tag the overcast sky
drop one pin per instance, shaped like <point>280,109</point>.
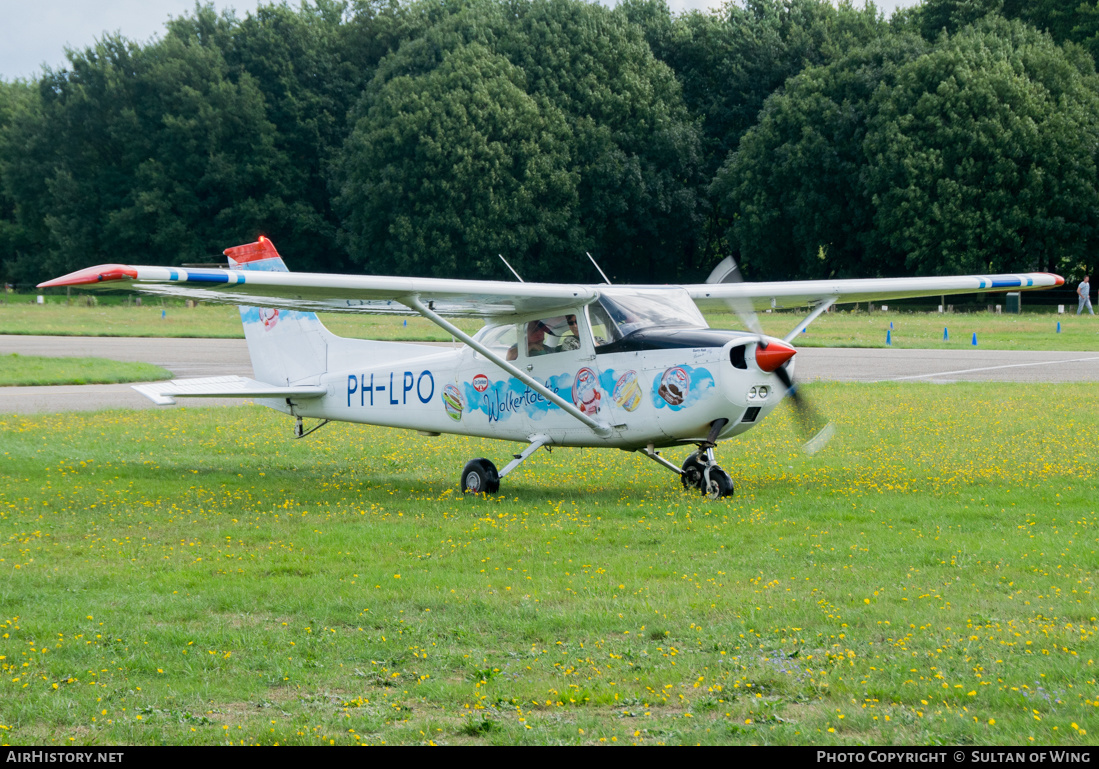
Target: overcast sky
<point>37,33</point>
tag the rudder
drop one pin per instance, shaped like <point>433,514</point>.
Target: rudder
<point>286,346</point>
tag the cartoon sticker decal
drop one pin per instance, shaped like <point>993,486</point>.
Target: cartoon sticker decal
<point>627,391</point>
<point>585,392</point>
<point>681,386</point>
<point>269,316</point>
<point>675,386</point>
<point>453,403</point>
<point>624,388</point>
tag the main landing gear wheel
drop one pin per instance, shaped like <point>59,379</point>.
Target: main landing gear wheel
<point>480,476</point>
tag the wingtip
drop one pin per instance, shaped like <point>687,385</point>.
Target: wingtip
<point>99,274</point>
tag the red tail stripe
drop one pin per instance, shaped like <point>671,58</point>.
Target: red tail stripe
<point>253,252</point>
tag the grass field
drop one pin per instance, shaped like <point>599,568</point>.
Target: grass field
<point>196,576</point>
<point>58,319</point>
<point>1029,331</point>
<point>18,369</point>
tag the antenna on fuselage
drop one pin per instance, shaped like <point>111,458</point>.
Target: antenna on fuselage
<point>605,278</point>
<point>513,272</point>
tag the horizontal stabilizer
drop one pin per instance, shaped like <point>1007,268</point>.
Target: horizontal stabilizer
<point>165,393</point>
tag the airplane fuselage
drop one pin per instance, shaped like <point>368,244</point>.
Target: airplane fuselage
<point>661,389</point>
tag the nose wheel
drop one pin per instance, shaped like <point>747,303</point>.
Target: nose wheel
<point>701,472</point>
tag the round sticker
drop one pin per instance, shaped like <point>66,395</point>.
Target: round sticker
<point>674,386</point>
<point>269,316</point>
<point>585,391</point>
<point>627,391</point>
<point>452,402</point>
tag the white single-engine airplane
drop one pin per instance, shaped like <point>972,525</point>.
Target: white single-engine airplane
<point>627,367</point>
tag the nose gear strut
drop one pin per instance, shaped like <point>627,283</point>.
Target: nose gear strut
<point>700,470</point>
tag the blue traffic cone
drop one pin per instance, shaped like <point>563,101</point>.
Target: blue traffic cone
<point>974,338</point>
<point>889,336</point>
<point>946,334</point>
<point>890,324</point>
<point>163,314</point>
<point>406,321</point>
<point>1058,327</point>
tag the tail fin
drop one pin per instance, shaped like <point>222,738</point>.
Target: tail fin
<point>286,346</point>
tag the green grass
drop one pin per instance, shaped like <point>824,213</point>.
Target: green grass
<point>196,576</point>
<point>215,321</point>
<point>24,370</point>
<point>1029,331</point>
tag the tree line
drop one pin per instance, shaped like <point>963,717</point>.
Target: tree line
<point>807,139</point>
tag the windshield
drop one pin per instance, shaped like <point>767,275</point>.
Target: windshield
<point>621,311</point>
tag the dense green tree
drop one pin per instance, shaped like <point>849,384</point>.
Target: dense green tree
<point>981,155</point>
<point>934,17</point>
<point>137,151</point>
<point>310,65</point>
<point>17,240</point>
<point>1065,20</point>
<point>975,154</point>
<point>730,62</point>
<point>629,142</point>
<point>455,166</point>
<point>794,193</point>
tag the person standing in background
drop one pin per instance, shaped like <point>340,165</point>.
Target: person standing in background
<point>1084,292</point>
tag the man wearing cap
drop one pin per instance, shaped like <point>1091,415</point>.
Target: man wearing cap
<point>536,338</point>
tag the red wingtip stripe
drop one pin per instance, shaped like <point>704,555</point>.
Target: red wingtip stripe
<point>253,252</point>
<point>100,274</point>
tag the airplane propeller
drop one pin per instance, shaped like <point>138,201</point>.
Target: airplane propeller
<point>814,429</point>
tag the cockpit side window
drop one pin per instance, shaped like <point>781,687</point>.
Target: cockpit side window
<point>499,339</point>
<point>546,336</point>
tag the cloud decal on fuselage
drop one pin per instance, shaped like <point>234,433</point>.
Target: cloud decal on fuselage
<point>503,398</point>
<point>680,387</point>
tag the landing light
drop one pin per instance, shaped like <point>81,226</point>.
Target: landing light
<point>759,392</point>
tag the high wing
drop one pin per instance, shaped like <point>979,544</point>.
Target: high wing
<point>801,293</point>
<point>323,292</point>
<point>326,292</point>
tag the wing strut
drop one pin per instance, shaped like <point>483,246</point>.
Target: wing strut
<point>812,316</point>
<point>602,429</point>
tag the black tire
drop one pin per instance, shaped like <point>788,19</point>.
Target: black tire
<point>480,476</point>
<point>692,474</point>
<point>720,485</point>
